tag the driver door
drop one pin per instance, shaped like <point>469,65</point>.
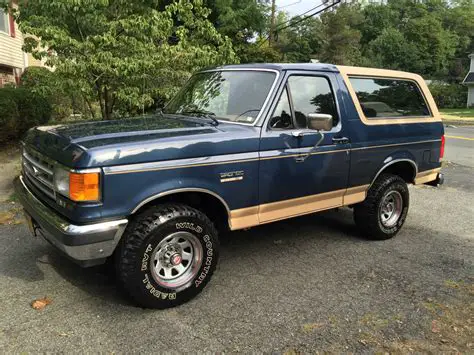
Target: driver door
<point>296,177</point>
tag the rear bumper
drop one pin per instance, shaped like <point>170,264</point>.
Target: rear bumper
<point>438,181</point>
<point>87,244</point>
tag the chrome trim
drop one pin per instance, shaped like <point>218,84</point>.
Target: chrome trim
<point>237,178</point>
<point>57,227</point>
<point>394,162</point>
<point>36,163</point>
<point>188,189</point>
<point>297,152</point>
<point>267,99</point>
<point>396,144</point>
<point>95,228</point>
<point>41,176</point>
<point>39,187</point>
<point>182,163</point>
<point>241,158</point>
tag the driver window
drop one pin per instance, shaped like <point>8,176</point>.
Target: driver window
<point>281,118</point>
<point>311,94</point>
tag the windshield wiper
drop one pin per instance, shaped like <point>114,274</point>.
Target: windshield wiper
<point>205,114</point>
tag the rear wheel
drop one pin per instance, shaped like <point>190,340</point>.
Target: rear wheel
<point>382,214</point>
<point>167,256</point>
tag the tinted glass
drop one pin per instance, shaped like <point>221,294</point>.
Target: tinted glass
<point>281,118</point>
<point>311,94</point>
<point>236,96</point>
<point>389,98</point>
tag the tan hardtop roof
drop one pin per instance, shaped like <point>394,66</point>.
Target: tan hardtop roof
<point>387,73</point>
<point>347,72</point>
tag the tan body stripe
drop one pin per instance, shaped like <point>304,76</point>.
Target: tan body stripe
<point>274,211</point>
<point>426,176</point>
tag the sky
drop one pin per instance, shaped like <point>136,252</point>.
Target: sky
<point>296,7</point>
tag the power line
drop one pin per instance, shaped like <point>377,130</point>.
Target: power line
<point>302,14</point>
<point>293,3</point>
<point>293,23</point>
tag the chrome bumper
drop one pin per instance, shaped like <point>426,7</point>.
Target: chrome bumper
<point>87,244</point>
<point>438,181</point>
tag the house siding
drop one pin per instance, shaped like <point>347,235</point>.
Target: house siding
<point>11,53</point>
<point>470,96</point>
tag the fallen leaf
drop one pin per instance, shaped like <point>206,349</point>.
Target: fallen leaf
<point>40,303</point>
<point>435,326</point>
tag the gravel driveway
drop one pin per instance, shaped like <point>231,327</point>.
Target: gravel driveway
<point>301,285</point>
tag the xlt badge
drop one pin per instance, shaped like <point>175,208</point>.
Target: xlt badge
<point>232,176</point>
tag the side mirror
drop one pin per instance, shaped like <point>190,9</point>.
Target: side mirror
<point>319,121</point>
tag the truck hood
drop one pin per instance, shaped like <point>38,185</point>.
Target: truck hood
<point>139,140</point>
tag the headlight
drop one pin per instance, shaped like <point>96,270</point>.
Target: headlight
<point>61,181</point>
<point>77,186</point>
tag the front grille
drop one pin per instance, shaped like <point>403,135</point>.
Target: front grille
<point>39,171</point>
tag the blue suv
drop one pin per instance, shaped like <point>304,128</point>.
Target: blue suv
<point>239,146</point>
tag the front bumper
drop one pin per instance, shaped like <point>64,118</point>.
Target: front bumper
<point>87,244</point>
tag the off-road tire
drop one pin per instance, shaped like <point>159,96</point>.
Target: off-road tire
<point>367,213</point>
<point>134,258</point>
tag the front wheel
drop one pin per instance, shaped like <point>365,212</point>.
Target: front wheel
<point>167,256</point>
<point>382,214</point>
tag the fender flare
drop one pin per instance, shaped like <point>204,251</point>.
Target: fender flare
<point>394,161</point>
<point>176,191</point>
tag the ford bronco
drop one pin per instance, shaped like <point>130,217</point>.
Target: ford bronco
<point>237,147</point>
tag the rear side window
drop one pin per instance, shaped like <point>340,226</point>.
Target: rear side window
<point>389,98</point>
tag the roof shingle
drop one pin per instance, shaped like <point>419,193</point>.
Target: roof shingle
<point>469,79</point>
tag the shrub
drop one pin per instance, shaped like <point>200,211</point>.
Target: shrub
<point>21,109</point>
<point>449,95</point>
<point>49,85</point>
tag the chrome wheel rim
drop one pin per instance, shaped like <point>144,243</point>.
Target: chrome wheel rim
<point>176,260</point>
<point>391,208</point>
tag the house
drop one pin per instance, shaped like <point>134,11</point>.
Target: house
<point>13,60</point>
<point>469,82</point>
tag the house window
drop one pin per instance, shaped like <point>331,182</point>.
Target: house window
<point>4,23</point>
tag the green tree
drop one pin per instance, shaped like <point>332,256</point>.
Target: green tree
<point>123,53</point>
<point>301,40</point>
<point>242,21</point>
<point>411,36</point>
<point>342,35</point>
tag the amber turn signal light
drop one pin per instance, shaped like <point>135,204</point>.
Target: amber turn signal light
<point>84,187</point>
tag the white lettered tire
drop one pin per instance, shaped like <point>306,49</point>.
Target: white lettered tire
<point>167,255</point>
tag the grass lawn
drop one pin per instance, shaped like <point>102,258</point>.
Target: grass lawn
<point>458,114</point>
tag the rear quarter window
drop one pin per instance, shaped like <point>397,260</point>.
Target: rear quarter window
<point>389,98</point>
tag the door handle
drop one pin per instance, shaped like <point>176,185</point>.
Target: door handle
<point>340,140</point>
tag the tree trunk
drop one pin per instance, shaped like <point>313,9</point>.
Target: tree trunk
<point>101,101</point>
<point>89,105</point>
<point>106,102</point>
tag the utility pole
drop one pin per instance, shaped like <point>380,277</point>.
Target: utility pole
<point>272,23</point>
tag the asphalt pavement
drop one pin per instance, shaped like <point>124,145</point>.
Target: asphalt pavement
<point>302,285</point>
<point>460,144</point>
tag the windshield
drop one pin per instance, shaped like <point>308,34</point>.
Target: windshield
<point>235,96</point>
